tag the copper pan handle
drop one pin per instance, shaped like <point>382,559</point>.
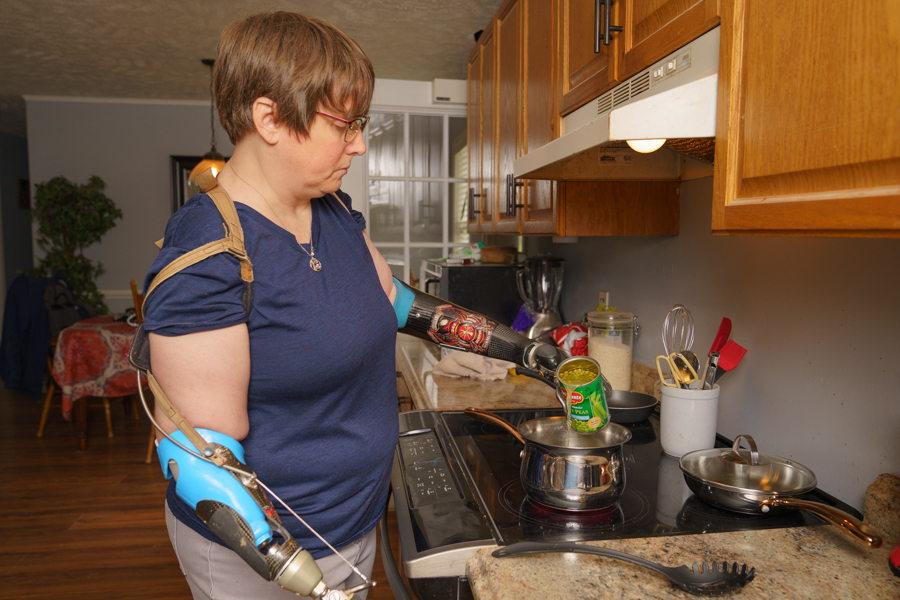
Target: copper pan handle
<point>488,417</point>
<point>848,523</point>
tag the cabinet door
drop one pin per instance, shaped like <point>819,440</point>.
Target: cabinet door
<point>655,28</point>
<point>507,41</point>
<point>808,124</point>
<point>585,74</point>
<point>540,123</point>
<point>488,134</point>
<point>474,140</point>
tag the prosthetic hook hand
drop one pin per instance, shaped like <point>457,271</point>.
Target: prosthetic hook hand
<point>228,497</point>
<point>439,321</point>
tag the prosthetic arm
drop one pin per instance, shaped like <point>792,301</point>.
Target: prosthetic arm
<point>227,497</point>
<point>444,323</point>
<point>211,477</point>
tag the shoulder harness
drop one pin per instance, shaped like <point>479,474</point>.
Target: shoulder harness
<point>232,243</point>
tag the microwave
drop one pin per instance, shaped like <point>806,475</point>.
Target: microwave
<point>486,288</point>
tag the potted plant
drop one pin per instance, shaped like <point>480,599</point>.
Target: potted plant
<point>70,218</point>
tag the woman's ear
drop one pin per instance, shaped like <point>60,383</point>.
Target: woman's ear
<point>265,119</point>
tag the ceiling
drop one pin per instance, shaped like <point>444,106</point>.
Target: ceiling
<point>153,49</point>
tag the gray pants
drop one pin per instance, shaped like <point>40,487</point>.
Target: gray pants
<point>216,573</point>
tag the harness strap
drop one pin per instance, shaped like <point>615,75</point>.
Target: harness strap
<point>232,243</point>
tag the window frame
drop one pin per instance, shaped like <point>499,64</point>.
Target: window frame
<point>445,245</point>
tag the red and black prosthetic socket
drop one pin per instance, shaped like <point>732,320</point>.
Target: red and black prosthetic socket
<point>447,324</point>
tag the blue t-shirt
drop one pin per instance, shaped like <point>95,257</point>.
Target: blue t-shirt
<point>322,397</point>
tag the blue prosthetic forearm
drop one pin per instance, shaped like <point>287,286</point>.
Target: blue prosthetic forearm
<point>403,302</point>
<point>198,480</point>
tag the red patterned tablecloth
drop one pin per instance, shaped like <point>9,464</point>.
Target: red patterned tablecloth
<point>91,359</point>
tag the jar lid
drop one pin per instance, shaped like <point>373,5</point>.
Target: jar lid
<point>602,318</point>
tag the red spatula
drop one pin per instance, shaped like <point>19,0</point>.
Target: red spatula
<point>729,357</point>
<point>721,336</point>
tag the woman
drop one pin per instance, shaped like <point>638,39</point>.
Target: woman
<point>307,380</point>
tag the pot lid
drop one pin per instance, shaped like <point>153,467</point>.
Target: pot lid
<point>609,317</point>
<point>740,470</point>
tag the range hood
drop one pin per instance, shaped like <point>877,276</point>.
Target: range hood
<point>673,99</point>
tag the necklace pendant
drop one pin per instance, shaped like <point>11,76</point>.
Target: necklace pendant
<point>315,264</point>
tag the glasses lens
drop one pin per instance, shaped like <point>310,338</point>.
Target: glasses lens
<point>355,126</point>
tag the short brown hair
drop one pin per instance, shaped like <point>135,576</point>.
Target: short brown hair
<point>299,62</point>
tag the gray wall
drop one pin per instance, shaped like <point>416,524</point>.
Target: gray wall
<point>128,145</point>
<point>16,238</point>
<point>819,318</point>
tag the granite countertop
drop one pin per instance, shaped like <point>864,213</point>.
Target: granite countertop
<point>416,359</point>
<point>802,562</point>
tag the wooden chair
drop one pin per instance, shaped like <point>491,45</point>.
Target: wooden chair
<point>52,388</point>
<point>139,317</point>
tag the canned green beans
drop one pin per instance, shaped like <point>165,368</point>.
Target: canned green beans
<point>579,376</point>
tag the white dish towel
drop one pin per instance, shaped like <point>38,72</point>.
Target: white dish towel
<point>465,364</point>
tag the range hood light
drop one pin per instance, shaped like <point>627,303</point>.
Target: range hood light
<point>645,146</point>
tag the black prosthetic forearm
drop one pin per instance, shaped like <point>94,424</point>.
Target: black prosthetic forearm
<point>447,324</point>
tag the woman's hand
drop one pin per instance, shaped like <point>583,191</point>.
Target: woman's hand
<point>206,375</point>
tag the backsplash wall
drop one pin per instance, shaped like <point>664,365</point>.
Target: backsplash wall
<point>819,317</point>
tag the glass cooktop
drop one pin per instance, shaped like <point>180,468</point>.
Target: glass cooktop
<point>656,500</point>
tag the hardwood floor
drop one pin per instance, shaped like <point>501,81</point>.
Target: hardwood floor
<point>89,525</point>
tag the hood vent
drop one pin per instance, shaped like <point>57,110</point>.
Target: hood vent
<point>678,104</point>
<point>623,93</point>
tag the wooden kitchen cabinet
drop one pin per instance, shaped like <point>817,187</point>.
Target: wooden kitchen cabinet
<point>474,145</point>
<point>514,108</point>
<point>651,29</point>
<point>808,119</point>
<point>513,98</point>
<point>508,82</point>
<point>612,208</point>
<point>540,114</point>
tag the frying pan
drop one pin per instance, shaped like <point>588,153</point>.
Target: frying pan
<point>630,407</point>
<point>755,483</point>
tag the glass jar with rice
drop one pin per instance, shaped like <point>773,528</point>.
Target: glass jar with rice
<point>611,343</point>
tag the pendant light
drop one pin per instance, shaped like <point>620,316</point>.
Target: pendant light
<point>212,159</point>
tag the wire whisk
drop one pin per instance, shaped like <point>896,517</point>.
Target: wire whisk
<point>678,330</point>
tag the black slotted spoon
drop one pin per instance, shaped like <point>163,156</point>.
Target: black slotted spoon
<point>705,580</point>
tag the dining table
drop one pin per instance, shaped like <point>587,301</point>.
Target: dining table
<point>91,361</point>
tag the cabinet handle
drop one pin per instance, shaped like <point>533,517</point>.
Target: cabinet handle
<point>472,211</point>
<point>607,28</point>
<point>511,185</point>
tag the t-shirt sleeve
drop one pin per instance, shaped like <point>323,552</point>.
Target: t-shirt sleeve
<point>357,216</point>
<point>204,296</point>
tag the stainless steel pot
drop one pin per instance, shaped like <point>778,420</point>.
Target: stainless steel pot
<point>574,471</point>
<point>750,482</point>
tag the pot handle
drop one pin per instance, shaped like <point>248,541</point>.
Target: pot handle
<point>488,417</point>
<point>848,523</point>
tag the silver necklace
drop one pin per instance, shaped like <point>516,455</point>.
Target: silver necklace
<point>314,263</point>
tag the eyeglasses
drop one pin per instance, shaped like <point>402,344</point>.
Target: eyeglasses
<point>353,127</point>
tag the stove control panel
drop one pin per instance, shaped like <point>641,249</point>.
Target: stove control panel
<point>428,477</point>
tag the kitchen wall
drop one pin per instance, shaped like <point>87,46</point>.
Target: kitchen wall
<point>128,143</point>
<point>819,317</point>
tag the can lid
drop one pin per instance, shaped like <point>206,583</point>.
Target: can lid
<point>607,318</point>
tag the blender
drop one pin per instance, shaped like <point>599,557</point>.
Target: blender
<point>540,285</point>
